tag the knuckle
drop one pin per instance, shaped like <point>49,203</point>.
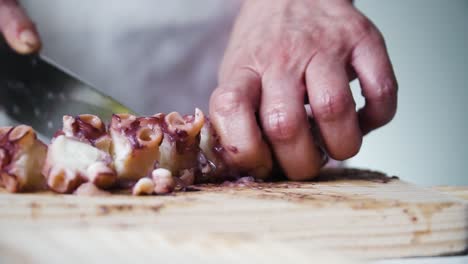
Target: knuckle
<point>384,90</point>
<point>329,107</point>
<point>280,124</point>
<point>360,26</point>
<point>372,35</point>
<point>226,102</point>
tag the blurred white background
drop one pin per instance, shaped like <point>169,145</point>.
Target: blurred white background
<point>128,47</point>
<point>427,142</point>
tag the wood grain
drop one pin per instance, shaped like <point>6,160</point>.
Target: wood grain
<point>347,212</point>
<point>455,191</point>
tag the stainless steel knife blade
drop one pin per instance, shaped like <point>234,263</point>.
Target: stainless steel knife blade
<point>36,92</point>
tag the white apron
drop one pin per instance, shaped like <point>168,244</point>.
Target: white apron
<point>152,55</point>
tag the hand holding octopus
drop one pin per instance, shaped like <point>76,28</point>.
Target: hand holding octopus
<point>285,53</point>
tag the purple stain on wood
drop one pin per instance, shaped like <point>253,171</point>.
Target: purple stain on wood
<point>155,208</point>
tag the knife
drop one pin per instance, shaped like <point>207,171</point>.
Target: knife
<point>37,92</point>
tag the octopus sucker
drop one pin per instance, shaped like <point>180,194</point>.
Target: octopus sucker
<point>146,155</point>
<point>79,154</point>
<point>22,155</point>
<point>135,145</point>
<point>180,145</point>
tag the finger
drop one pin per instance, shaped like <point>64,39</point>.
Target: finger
<point>17,29</point>
<point>350,72</point>
<point>284,121</point>
<point>351,77</point>
<point>333,106</point>
<point>379,86</point>
<point>232,110</point>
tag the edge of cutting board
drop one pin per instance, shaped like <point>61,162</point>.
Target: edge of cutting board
<point>353,212</point>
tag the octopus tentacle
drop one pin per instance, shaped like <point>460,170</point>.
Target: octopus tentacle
<point>180,145</point>
<point>149,155</point>
<point>135,145</point>
<point>79,153</point>
<point>21,157</point>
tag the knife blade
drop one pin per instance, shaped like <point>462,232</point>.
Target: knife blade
<point>37,92</point>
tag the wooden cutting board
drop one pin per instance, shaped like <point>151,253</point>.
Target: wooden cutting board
<point>346,212</point>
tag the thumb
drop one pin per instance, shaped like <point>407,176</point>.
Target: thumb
<point>18,30</point>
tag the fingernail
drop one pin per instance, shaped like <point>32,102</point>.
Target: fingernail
<point>29,38</point>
